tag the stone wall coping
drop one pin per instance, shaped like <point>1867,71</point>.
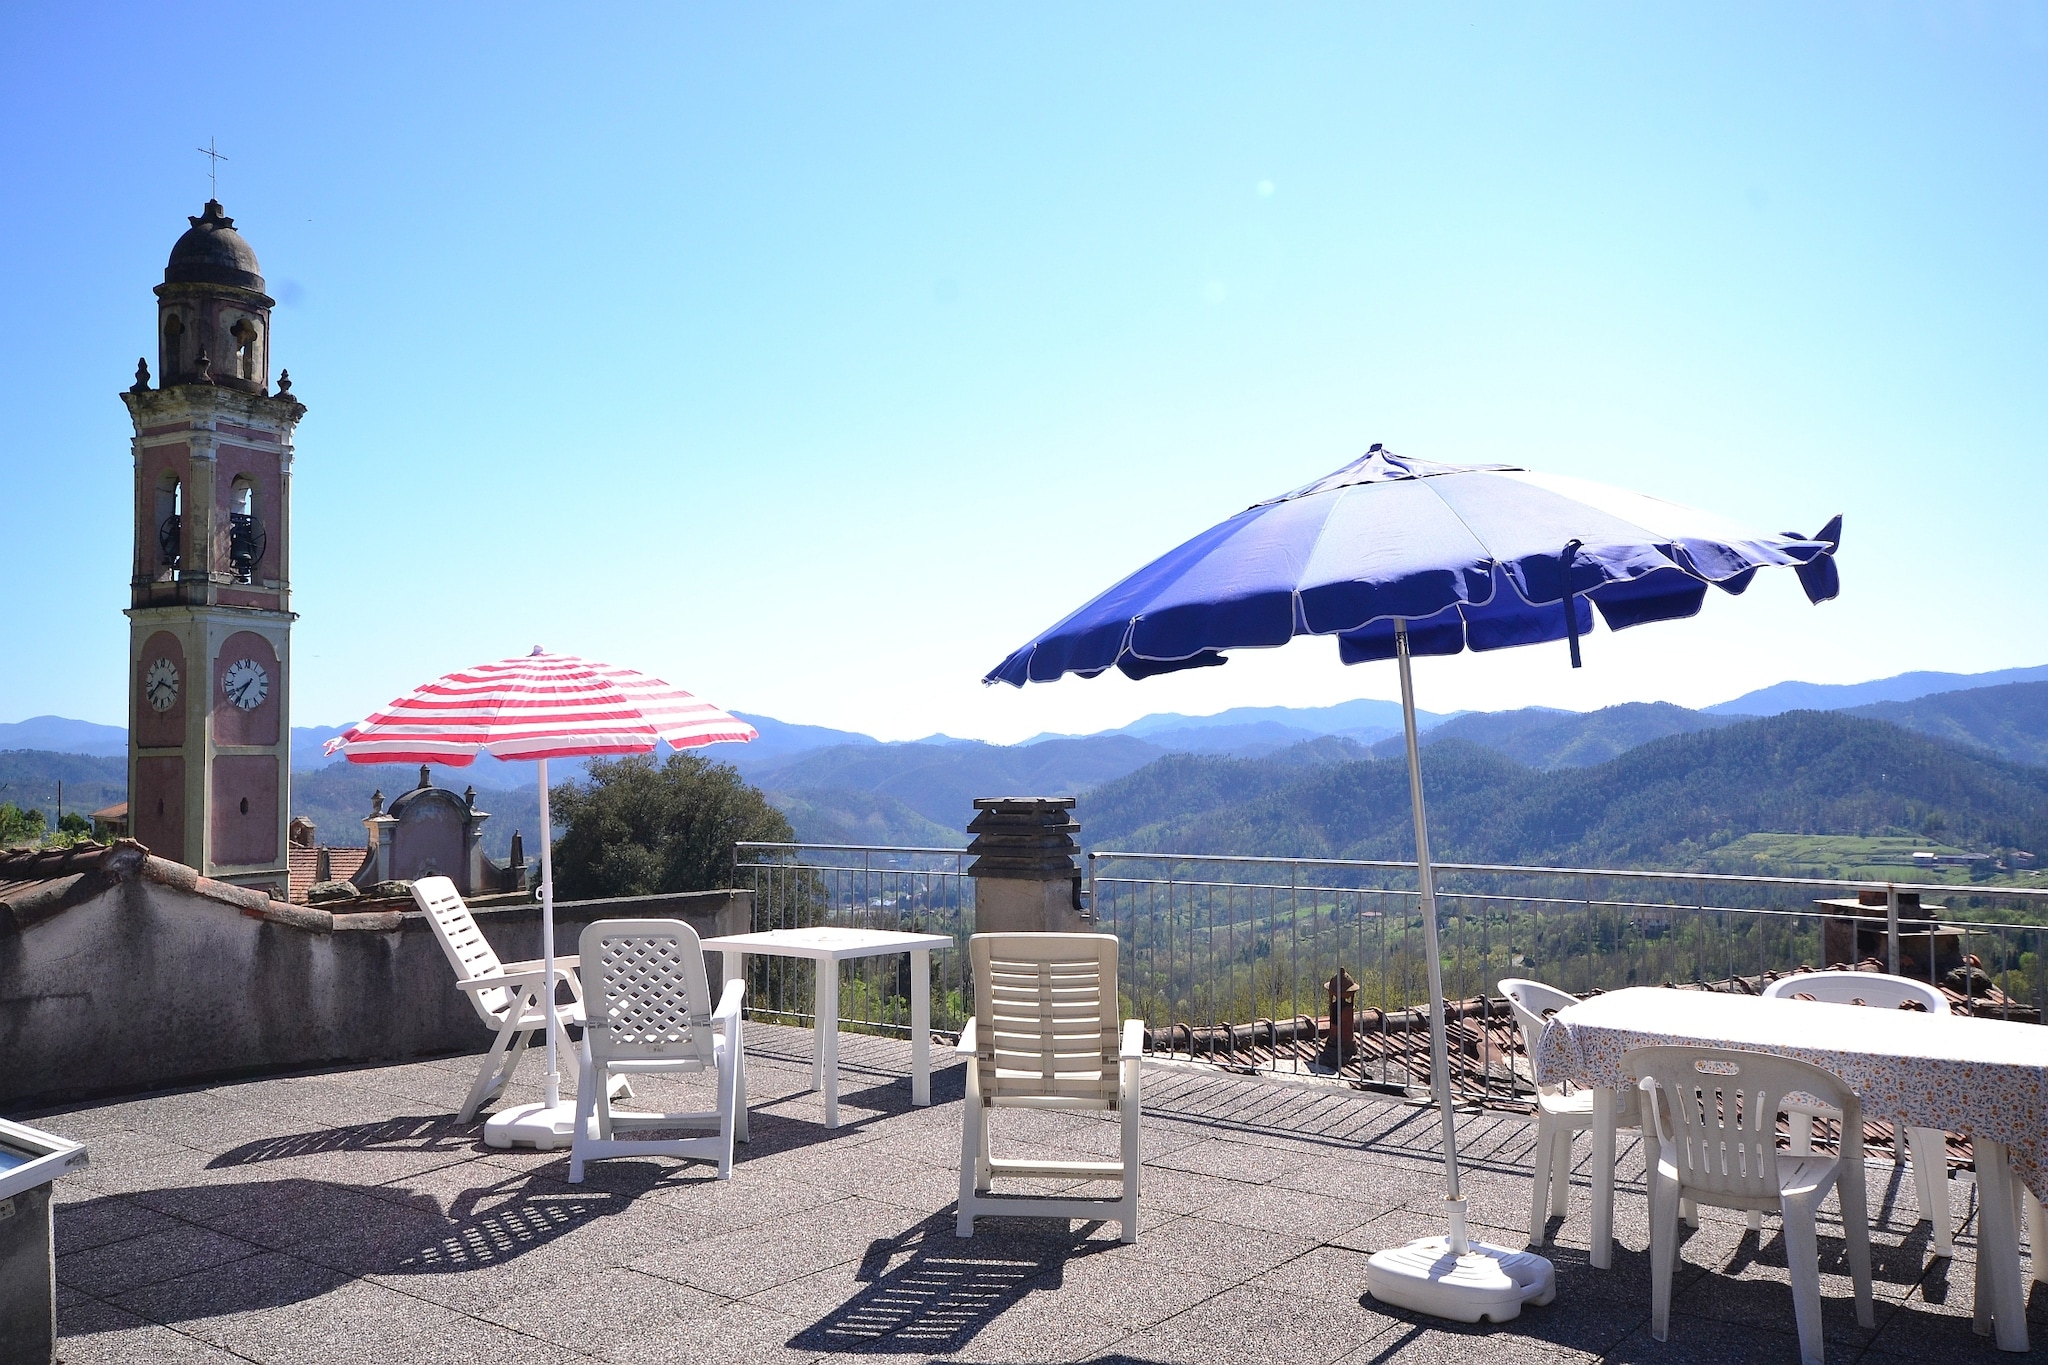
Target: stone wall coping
<point>37,886</point>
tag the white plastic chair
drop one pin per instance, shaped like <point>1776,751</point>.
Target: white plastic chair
<point>1929,1146</point>
<point>507,995</point>
<point>1044,1036</point>
<point>1722,1149</point>
<point>1560,1114</point>
<point>649,1012</point>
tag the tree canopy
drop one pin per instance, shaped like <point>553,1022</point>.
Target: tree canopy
<point>635,829</point>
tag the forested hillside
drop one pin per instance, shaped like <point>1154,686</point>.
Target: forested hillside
<point>2011,721</point>
<point>1667,803</point>
<point>1544,738</point>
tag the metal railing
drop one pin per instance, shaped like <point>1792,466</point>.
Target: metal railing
<point>1228,958</point>
<point>921,890</point>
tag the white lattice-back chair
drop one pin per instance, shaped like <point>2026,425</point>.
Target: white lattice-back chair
<point>648,1010</point>
<point>1560,1113</point>
<point>1929,1146</point>
<point>1715,1115</point>
<point>507,995</point>
<point>1044,1036</point>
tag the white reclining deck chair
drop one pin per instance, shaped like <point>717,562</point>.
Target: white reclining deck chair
<point>507,995</point>
<point>1722,1149</point>
<point>1560,1114</point>
<point>1044,1036</point>
<point>1880,990</point>
<point>649,1011</point>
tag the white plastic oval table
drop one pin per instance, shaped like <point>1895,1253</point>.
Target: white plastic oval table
<point>828,947</point>
<point>1987,1078</point>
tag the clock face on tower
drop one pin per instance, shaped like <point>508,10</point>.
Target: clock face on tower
<point>160,685</point>
<point>246,684</point>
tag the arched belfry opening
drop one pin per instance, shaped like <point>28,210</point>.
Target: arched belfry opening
<point>170,524</point>
<point>171,362</point>
<point>246,540</point>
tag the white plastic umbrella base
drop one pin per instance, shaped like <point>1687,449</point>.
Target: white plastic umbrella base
<point>542,1126</point>
<point>1486,1284</point>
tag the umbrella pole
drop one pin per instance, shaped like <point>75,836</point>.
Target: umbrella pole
<point>1439,1051</point>
<point>552,1094</point>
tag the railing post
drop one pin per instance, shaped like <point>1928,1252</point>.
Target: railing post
<point>1891,929</point>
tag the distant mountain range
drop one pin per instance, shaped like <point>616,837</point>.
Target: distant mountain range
<point>840,786</point>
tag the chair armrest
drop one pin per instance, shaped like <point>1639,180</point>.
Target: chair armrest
<point>1134,1041</point>
<point>730,1003</point>
<point>515,980</point>
<point>563,962</point>
<point>965,1047</point>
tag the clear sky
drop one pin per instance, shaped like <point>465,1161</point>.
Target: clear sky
<point>814,357</point>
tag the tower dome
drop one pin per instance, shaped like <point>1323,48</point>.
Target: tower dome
<point>212,252</point>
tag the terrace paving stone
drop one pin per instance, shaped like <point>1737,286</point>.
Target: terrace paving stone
<point>345,1216</point>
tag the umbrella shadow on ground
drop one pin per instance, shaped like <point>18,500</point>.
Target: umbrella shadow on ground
<point>328,1229</point>
<point>411,1133</point>
<point>927,1291</point>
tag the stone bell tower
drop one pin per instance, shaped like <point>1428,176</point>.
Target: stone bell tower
<point>209,640</point>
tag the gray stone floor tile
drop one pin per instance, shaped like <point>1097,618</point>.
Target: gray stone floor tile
<point>245,1290</point>
<point>100,1219</point>
<point>1271,1208</point>
<point>165,1254</point>
<point>94,1333</point>
<point>731,1331</point>
<point>604,1309</point>
<point>1253,1325</point>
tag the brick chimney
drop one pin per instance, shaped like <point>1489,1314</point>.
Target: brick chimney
<point>1025,876</point>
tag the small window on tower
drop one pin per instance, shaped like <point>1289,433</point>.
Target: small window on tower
<point>244,333</point>
<point>174,347</point>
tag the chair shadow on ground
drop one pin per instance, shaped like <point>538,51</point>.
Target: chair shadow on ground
<point>930,1292</point>
<point>410,1133</point>
<point>358,1230</point>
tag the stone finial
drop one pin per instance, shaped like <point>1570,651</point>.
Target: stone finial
<point>469,796</point>
<point>284,383</point>
<point>426,778</point>
<point>205,375</point>
<point>376,803</point>
<point>141,384</point>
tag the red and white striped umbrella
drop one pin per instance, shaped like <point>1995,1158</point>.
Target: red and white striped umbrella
<point>536,706</point>
<point>539,706</point>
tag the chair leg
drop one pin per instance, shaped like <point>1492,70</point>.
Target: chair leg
<point>1561,1171</point>
<point>1541,1164</point>
<point>1930,1184</point>
<point>728,1093</point>
<point>1132,1105</point>
<point>587,1092</point>
<point>1690,1212</point>
<point>1802,1259</point>
<point>1756,1222</point>
<point>1854,1199</point>
<point>972,1136</point>
<point>498,1065</point>
<point>1664,1202</point>
<point>2035,1240</point>
<point>739,1061</point>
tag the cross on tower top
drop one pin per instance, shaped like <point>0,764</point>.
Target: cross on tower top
<point>213,167</point>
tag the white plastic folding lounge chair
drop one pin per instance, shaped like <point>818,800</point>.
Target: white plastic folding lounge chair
<point>1044,1036</point>
<point>649,1011</point>
<point>507,995</point>
<point>1560,1114</point>
<point>1929,1146</point>
<point>1721,1148</point>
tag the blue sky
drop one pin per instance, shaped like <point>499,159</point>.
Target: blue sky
<point>815,357</point>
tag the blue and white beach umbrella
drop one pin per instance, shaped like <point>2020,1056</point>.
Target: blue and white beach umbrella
<point>1397,557</point>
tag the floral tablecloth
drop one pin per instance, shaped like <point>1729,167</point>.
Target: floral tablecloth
<point>1978,1077</point>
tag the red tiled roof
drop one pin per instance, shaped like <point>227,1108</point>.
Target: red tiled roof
<point>342,864</point>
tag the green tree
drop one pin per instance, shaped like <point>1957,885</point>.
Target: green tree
<point>18,826</point>
<point>635,829</point>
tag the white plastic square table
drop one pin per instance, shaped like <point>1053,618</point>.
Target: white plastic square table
<point>828,947</point>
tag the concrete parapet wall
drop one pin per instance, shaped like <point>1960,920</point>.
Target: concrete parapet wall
<point>139,982</point>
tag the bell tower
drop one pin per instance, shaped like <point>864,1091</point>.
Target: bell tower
<point>209,638</point>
